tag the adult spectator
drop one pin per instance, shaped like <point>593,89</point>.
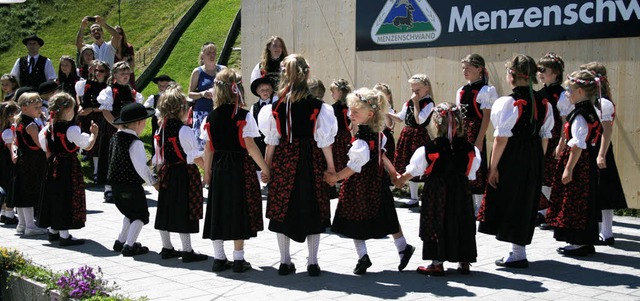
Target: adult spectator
<point>33,69</point>
<point>85,60</point>
<point>104,51</point>
<point>201,87</point>
<point>125,53</point>
<point>274,52</point>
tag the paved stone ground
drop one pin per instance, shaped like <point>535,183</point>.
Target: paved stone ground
<point>613,273</point>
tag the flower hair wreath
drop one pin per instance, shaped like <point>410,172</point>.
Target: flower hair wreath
<point>586,82</point>
<point>443,110</point>
<point>367,101</point>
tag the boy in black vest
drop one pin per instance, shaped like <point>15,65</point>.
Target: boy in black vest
<point>126,174</point>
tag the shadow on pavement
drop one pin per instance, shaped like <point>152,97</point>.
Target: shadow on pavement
<point>577,274</point>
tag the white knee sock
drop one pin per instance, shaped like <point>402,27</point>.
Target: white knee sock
<point>313,243</point>
<point>218,250</point>
<point>361,247</point>
<point>238,255</point>
<point>64,234</point>
<point>21,222</point>
<point>518,252</point>
<point>606,227</point>
<point>95,165</point>
<point>122,237</point>
<point>134,231</point>
<point>9,214</point>
<point>546,191</point>
<point>166,240</point>
<point>401,244</point>
<point>107,188</point>
<point>53,231</point>
<point>284,243</point>
<point>186,242</point>
<point>28,217</point>
<point>477,202</point>
<point>413,189</point>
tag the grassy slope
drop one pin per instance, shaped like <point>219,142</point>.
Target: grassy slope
<point>143,31</point>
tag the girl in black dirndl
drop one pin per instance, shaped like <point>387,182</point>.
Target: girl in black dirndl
<point>127,172</point>
<point>9,110</point>
<point>112,99</point>
<point>609,195</point>
<point>87,92</point>
<point>365,204</point>
<point>478,96</point>
<point>550,74</point>
<point>522,123</point>
<point>31,164</point>
<point>63,205</point>
<point>415,115</point>
<point>180,194</point>
<point>299,131</point>
<point>340,88</point>
<point>447,221</point>
<point>234,210</point>
<point>390,146</point>
<point>574,211</point>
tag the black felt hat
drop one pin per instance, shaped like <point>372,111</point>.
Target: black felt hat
<point>133,112</point>
<point>47,87</point>
<point>162,78</point>
<point>259,81</point>
<point>34,38</point>
<point>23,90</point>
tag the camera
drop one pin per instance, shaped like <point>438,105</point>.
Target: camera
<point>91,19</point>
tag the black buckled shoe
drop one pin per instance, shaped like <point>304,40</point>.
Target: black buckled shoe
<point>169,253</point>
<point>220,265</point>
<point>606,241</point>
<point>193,256</point>
<point>406,256</point>
<point>286,269</point>
<point>53,237</point>
<point>64,242</point>
<point>579,252</point>
<point>136,249</point>
<point>518,264</point>
<point>363,264</point>
<point>313,270</point>
<point>118,246</point>
<point>241,266</point>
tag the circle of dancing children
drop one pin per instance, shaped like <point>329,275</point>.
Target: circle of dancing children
<point>609,194</point>
<point>574,211</point>
<point>550,74</point>
<point>522,122</point>
<point>112,99</point>
<point>365,204</point>
<point>390,146</point>
<point>415,115</point>
<point>180,199</point>
<point>9,110</point>
<point>63,205</point>
<point>478,96</point>
<point>449,161</point>
<point>299,131</point>
<point>127,172</point>
<point>234,210</point>
<point>31,164</point>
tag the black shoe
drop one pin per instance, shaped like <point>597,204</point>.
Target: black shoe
<point>545,226</point>
<point>108,197</point>
<point>240,266</point>
<point>118,246</point>
<point>220,265</point>
<point>580,252</point>
<point>540,219</point>
<point>170,253</point>
<point>464,268</point>
<point>136,249</point>
<point>406,256</point>
<point>3,219</point>
<point>518,264</point>
<point>14,220</point>
<point>313,270</point>
<point>406,205</point>
<point>606,241</point>
<point>286,269</point>
<point>64,242</point>
<point>363,264</point>
<point>53,237</point>
<point>193,257</point>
